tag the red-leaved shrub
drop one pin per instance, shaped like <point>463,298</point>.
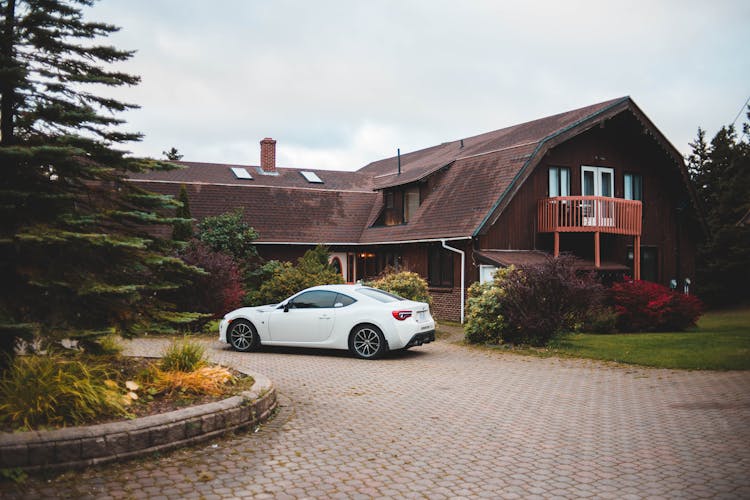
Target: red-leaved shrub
<point>216,293</point>
<point>643,306</point>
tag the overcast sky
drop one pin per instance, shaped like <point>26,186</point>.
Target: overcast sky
<point>341,83</point>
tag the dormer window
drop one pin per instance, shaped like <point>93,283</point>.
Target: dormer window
<point>411,202</point>
<point>399,206</point>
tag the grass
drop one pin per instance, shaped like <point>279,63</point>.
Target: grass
<point>721,341</point>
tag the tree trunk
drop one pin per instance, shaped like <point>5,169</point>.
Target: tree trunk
<point>7,84</point>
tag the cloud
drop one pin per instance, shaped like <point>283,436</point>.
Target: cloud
<point>342,83</point>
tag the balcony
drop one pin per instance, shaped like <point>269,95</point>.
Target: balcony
<point>592,214</point>
<point>589,214</point>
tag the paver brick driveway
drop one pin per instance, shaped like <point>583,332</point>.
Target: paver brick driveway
<point>445,421</point>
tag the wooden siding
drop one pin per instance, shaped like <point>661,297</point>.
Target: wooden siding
<point>622,145</point>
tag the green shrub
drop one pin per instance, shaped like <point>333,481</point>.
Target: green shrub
<point>405,284</point>
<point>229,234</point>
<point>484,320</point>
<point>254,279</point>
<point>312,269</point>
<point>600,320</point>
<point>51,390</point>
<point>184,356</point>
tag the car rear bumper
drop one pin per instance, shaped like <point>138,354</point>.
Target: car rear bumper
<point>421,338</point>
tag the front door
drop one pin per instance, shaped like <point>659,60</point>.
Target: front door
<point>598,181</point>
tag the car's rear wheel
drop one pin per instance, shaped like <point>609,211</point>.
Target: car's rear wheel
<point>367,342</point>
<point>243,336</point>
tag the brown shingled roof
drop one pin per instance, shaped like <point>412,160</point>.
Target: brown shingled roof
<point>520,258</point>
<point>281,214</point>
<point>221,173</point>
<point>480,175</point>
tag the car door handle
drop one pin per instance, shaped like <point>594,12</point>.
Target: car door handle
<point>325,316</point>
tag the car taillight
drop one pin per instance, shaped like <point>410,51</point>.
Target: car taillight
<point>401,315</point>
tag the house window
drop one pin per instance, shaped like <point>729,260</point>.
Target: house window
<point>633,187</point>
<point>559,181</point>
<point>440,267</point>
<point>597,181</point>
<point>411,202</point>
<point>389,199</point>
<point>487,273</point>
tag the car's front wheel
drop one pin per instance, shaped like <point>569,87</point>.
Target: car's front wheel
<point>367,342</point>
<point>243,336</point>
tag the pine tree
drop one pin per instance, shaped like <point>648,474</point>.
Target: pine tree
<point>173,154</point>
<point>75,257</point>
<point>721,175</point>
<point>183,228</point>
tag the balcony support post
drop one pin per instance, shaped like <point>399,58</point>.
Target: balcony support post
<point>557,244</point>
<point>637,257</point>
<point>597,251</point>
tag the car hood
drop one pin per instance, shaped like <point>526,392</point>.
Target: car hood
<point>246,311</point>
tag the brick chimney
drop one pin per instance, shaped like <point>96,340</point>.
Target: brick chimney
<point>268,155</point>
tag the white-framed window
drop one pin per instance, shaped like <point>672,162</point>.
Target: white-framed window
<point>597,181</point>
<point>486,273</point>
<point>559,181</point>
<point>633,184</point>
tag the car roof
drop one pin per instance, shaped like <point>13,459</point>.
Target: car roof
<point>337,288</point>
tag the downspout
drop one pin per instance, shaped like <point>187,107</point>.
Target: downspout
<point>463,274</point>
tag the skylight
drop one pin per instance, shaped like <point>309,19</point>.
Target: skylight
<point>311,177</point>
<point>241,173</point>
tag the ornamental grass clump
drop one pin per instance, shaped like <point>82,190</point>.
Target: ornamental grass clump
<point>209,380</point>
<point>183,356</point>
<point>53,391</point>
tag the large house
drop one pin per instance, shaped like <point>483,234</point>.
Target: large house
<point>600,182</point>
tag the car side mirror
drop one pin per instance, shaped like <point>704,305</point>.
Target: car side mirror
<point>286,307</point>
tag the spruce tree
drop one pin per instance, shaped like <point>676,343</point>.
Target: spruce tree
<point>183,228</point>
<point>76,258</point>
<point>721,174</point>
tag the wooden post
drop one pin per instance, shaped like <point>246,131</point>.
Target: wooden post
<point>637,258</point>
<point>557,243</point>
<point>597,253</point>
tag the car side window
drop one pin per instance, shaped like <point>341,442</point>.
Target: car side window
<point>343,300</point>
<point>315,299</point>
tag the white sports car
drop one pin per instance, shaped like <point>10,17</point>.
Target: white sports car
<point>364,320</point>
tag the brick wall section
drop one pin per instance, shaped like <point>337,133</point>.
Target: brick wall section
<point>76,447</point>
<point>446,303</point>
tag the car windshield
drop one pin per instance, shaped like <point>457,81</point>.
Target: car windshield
<point>379,295</point>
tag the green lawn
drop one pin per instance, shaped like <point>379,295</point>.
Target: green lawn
<point>721,341</point>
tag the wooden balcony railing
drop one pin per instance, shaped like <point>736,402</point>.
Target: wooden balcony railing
<point>589,214</point>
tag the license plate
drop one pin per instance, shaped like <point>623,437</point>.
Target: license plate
<point>421,315</point>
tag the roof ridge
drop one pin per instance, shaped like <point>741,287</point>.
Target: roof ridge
<point>254,185</point>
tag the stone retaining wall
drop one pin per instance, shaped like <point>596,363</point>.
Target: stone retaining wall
<point>75,447</point>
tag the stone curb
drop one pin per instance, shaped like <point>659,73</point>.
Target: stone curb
<point>77,447</point>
